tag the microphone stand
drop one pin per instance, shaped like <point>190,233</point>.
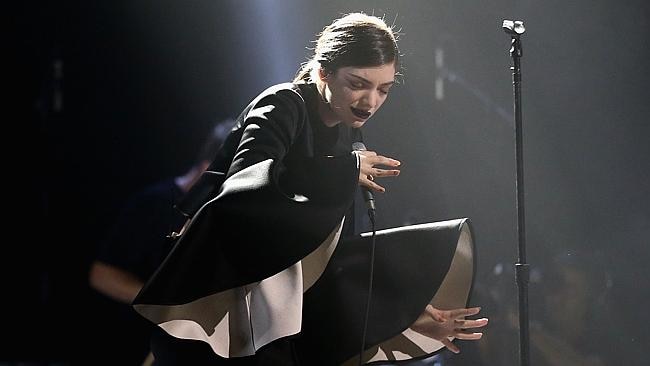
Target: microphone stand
<point>515,29</point>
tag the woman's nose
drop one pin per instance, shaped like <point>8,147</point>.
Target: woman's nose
<point>369,100</point>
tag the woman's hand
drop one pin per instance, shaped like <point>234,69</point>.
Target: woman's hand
<point>368,171</point>
<point>442,324</point>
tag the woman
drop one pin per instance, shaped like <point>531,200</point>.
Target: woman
<point>262,274</point>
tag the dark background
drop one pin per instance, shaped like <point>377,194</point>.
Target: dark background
<point>106,97</point>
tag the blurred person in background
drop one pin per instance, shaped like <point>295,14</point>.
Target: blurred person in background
<point>575,309</point>
<point>132,250</point>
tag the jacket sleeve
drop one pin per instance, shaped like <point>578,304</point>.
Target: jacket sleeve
<point>254,228</point>
<point>266,129</point>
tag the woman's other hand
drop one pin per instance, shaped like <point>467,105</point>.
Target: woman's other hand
<point>443,324</point>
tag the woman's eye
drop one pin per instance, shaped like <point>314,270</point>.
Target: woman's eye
<point>356,85</point>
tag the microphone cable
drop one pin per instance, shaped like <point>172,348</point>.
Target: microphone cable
<point>371,215</point>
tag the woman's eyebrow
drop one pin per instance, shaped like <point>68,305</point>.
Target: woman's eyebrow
<point>369,82</point>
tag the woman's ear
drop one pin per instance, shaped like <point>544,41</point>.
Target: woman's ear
<point>322,74</point>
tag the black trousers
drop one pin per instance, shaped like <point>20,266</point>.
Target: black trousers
<point>172,351</point>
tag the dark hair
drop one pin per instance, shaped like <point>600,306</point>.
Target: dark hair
<point>356,39</point>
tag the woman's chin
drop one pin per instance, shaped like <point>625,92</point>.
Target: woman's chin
<point>356,124</point>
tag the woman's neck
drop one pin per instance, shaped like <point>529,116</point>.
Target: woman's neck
<point>324,108</point>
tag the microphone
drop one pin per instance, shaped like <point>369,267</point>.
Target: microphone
<point>370,201</point>
<point>367,194</point>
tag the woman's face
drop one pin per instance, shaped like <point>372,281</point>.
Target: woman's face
<point>354,94</point>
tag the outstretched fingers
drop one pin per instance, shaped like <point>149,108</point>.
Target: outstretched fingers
<point>369,183</point>
<point>462,325</point>
<point>452,323</point>
<point>471,323</point>
<point>450,346</point>
<point>385,172</point>
<point>461,313</point>
<point>469,336</point>
<point>383,160</point>
<point>368,170</point>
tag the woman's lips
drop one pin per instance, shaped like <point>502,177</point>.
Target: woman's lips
<point>360,113</point>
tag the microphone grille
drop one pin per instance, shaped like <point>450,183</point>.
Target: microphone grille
<point>358,146</point>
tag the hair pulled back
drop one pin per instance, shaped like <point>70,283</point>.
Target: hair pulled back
<point>356,39</point>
